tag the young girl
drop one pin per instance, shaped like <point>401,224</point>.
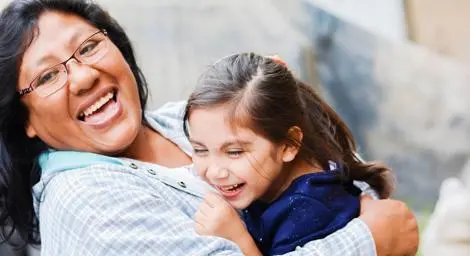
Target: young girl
<point>274,149</point>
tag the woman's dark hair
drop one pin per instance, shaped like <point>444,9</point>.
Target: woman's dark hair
<point>18,153</point>
<point>264,95</point>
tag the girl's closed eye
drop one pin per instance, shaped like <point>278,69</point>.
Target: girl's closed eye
<point>200,151</point>
<point>235,153</point>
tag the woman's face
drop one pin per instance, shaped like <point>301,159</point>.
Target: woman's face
<point>98,109</point>
<point>239,163</point>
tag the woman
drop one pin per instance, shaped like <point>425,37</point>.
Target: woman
<point>108,179</point>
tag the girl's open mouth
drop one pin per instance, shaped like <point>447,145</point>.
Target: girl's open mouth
<point>231,190</point>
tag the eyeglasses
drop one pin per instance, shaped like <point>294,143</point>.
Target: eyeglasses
<point>49,81</point>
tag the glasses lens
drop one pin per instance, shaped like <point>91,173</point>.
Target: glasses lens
<point>50,80</point>
<point>93,49</point>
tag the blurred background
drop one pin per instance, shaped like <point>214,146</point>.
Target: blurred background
<point>395,70</point>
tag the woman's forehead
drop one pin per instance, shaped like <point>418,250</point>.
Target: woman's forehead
<point>57,34</point>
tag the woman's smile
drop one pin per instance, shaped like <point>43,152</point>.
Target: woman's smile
<point>102,112</point>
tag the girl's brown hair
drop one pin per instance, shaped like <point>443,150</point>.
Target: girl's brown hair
<point>266,97</point>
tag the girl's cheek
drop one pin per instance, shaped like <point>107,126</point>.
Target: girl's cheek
<point>202,172</point>
<point>200,169</point>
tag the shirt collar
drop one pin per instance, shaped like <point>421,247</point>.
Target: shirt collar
<point>161,120</point>
<point>58,161</point>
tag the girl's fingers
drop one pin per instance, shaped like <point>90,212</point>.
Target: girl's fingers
<point>214,199</point>
<point>199,216</point>
<point>199,229</point>
<point>205,208</point>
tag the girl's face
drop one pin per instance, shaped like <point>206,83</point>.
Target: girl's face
<point>97,109</point>
<point>239,163</point>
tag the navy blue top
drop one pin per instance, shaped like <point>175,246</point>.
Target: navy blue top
<point>312,207</point>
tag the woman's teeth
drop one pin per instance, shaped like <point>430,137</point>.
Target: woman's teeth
<point>97,105</point>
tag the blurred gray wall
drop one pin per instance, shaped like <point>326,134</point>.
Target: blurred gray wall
<point>176,39</point>
<point>406,105</point>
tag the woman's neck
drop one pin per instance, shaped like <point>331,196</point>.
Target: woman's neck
<point>151,146</point>
<point>289,173</point>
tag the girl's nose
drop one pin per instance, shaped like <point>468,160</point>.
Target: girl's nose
<point>215,172</point>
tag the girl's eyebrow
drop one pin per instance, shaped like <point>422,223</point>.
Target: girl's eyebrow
<point>225,144</point>
<point>196,142</point>
<point>235,142</point>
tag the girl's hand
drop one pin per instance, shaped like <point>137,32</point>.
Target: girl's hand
<point>216,217</point>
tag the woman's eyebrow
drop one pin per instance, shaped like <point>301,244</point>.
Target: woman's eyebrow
<point>39,64</point>
<point>72,42</point>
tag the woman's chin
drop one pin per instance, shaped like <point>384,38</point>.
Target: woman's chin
<point>114,144</point>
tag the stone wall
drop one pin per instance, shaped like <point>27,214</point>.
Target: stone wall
<point>406,105</point>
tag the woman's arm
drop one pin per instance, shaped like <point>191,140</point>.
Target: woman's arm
<point>384,227</point>
<point>388,223</point>
<point>352,240</point>
<point>98,212</point>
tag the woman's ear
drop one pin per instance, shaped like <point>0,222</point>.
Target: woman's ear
<point>30,131</point>
<point>291,150</point>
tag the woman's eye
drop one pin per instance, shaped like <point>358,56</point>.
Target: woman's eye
<point>47,77</point>
<point>88,48</point>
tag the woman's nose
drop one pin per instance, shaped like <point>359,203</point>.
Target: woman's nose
<point>81,77</point>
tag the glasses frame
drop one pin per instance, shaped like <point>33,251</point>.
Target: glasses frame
<point>30,88</point>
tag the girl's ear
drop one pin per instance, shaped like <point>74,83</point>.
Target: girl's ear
<point>290,151</point>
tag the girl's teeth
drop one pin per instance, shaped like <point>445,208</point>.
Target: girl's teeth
<point>231,187</point>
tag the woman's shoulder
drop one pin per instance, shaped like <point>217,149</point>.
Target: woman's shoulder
<point>170,110</point>
<point>85,184</point>
<point>168,120</point>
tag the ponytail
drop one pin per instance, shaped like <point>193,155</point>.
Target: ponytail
<point>336,140</point>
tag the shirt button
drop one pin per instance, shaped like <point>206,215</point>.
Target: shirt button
<point>152,171</point>
<point>133,166</point>
<point>182,184</point>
